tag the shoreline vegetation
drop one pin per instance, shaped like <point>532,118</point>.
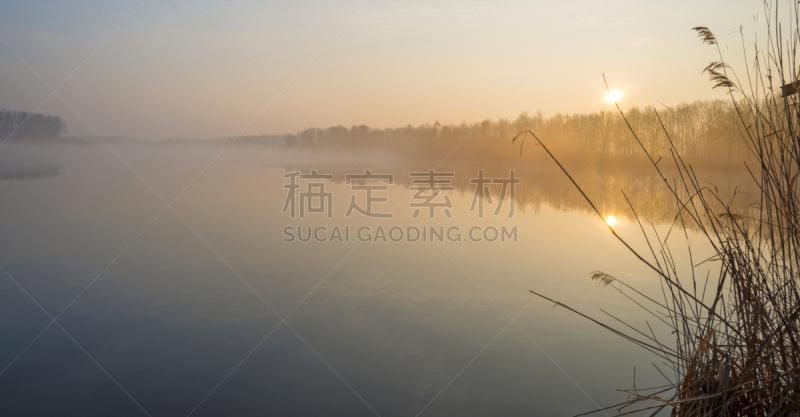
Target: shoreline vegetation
<point>597,144</point>
<point>705,132</point>
<point>734,338</point>
<point>20,125</point>
<point>36,130</point>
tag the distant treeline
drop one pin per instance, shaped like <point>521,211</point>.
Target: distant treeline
<point>706,132</point>
<point>16,125</point>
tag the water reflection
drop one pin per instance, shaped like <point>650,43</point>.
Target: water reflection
<point>623,193</point>
<point>163,314</point>
<point>29,162</point>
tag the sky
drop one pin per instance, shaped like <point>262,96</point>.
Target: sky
<point>159,69</point>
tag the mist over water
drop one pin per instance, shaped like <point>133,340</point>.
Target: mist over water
<point>398,208</point>
<point>29,162</point>
<point>192,292</point>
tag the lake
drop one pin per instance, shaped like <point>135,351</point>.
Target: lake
<point>201,308</point>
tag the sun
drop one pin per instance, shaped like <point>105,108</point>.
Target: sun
<point>611,220</point>
<point>613,96</point>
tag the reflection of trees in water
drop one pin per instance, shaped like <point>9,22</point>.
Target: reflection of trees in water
<point>544,184</point>
<point>45,170</point>
<point>23,162</point>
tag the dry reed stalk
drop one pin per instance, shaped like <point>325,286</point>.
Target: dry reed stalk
<point>736,344</point>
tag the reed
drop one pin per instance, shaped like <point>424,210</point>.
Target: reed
<point>735,349</point>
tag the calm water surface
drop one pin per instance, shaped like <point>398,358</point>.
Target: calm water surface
<point>179,311</point>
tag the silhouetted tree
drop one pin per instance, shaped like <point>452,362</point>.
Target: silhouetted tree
<point>17,125</point>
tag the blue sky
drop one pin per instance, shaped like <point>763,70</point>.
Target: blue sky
<point>170,71</point>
